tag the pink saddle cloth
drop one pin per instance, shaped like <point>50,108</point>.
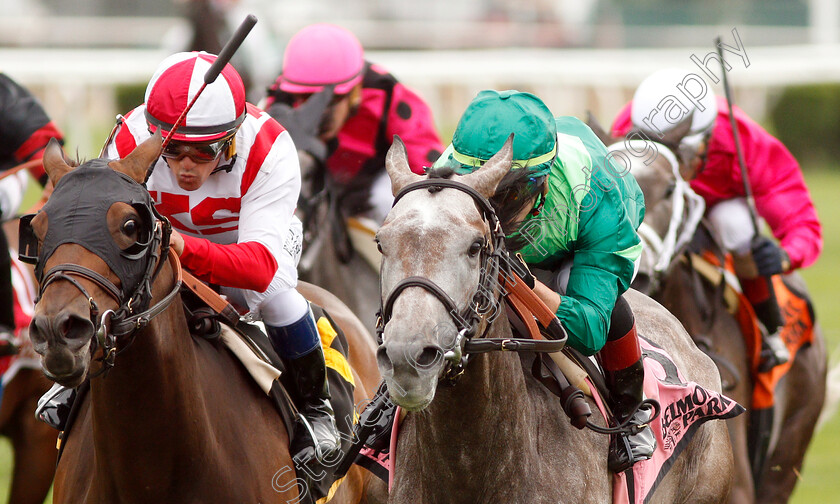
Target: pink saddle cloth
<point>685,406</point>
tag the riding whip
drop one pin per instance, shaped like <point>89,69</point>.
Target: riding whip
<point>758,439</point>
<point>776,312</point>
<point>210,76</point>
<point>736,136</point>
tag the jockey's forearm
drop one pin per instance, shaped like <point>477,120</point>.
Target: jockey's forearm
<point>247,265</point>
<point>548,296</point>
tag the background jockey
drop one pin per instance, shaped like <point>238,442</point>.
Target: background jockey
<point>25,130</point>
<point>711,165</point>
<point>229,183</point>
<point>565,210</point>
<point>368,108</point>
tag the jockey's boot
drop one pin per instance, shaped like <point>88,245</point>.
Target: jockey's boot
<point>54,407</point>
<point>774,351</point>
<point>8,343</point>
<point>299,345</point>
<point>626,386</point>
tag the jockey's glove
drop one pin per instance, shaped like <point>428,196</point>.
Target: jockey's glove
<point>769,258</point>
<point>304,122</point>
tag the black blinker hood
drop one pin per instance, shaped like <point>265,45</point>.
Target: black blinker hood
<point>77,213</point>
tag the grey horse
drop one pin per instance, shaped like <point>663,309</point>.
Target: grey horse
<point>498,435</point>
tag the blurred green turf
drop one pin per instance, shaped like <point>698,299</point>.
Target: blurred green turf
<point>820,482</point>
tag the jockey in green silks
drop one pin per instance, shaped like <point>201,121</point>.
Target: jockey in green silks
<point>567,207</point>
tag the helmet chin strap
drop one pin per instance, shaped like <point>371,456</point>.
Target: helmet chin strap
<point>227,167</point>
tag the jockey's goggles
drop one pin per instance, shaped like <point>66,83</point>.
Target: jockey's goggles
<point>198,152</point>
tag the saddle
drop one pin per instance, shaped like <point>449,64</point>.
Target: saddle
<point>717,268</point>
<point>212,317</point>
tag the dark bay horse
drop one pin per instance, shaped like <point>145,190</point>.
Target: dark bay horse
<point>667,274</point>
<point>498,435</point>
<point>329,259</point>
<point>176,418</point>
<point>33,442</point>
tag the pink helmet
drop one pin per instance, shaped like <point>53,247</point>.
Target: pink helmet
<point>216,114</point>
<point>319,55</point>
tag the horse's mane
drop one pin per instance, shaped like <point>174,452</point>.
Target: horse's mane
<point>507,202</point>
<point>441,172</point>
<point>75,163</point>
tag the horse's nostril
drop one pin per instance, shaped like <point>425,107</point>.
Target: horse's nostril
<point>408,357</point>
<point>383,361</point>
<point>429,356</point>
<point>75,327</point>
<point>38,329</point>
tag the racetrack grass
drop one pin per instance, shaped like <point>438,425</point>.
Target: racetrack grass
<point>820,475</point>
<point>821,472</point>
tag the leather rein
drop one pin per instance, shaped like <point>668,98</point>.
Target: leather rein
<point>485,303</point>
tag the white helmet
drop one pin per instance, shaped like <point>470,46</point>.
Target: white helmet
<point>667,97</point>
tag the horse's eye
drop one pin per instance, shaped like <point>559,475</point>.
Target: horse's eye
<point>378,245</point>
<point>475,248</point>
<point>670,190</point>
<point>129,227</point>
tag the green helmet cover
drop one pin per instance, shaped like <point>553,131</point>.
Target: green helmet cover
<point>488,121</point>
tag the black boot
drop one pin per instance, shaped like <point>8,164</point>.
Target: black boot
<point>299,345</point>
<point>624,371</point>
<point>626,393</point>
<point>774,351</point>
<point>54,406</point>
<point>312,391</point>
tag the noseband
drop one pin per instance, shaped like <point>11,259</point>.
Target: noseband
<point>488,295</point>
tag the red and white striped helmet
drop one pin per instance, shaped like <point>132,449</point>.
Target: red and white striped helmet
<point>216,114</point>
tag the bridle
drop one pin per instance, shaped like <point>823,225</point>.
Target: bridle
<point>686,213</point>
<point>488,295</point>
<point>133,312</point>
<point>485,304</point>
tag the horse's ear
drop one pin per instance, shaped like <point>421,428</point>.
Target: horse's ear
<point>396,164</point>
<point>599,130</point>
<point>487,178</point>
<point>682,128</point>
<point>136,164</point>
<point>54,163</point>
